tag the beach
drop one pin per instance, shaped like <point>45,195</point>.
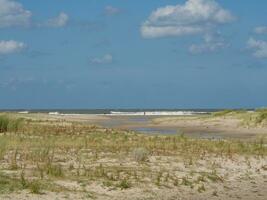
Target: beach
<point>232,126</point>
<point>89,156</point>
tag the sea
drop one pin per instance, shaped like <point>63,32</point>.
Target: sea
<point>118,112</point>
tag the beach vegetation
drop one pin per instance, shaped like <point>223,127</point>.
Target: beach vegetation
<point>8,124</point>
<point>140,154</point>
<point>46,152</point>
<point>124,184</point>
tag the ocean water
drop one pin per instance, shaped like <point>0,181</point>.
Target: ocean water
<point>119,112</point>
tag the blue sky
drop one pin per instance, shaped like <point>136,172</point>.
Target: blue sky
<point>127,54</point>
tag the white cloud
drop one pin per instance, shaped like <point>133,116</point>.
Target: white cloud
<point>259,47</point>
<point>13,14</point>
<point>11,46</point>
<point>158,31</point>
<point>211,43</point>
<point>106,59</point>
<point>110,10</point>
<point>194,17</point>
<point>261,30</point>
<point>60,21</point>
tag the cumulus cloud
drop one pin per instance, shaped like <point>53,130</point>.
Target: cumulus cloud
<point>258,46</point>
<point>261,30</point>
<point>59,21</point>
<point>11,46</point>
<point>106,59</point>
<point>194,17</point>
<point>13,14</point>
<point>211,43</point>
<point>110,10</point>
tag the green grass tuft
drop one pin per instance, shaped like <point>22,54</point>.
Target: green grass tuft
<point>124,184</point>
<point>8,124</point>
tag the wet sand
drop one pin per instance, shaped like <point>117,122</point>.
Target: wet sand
<point>198,126</point>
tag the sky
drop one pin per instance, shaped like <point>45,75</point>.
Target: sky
<point>128,54</point>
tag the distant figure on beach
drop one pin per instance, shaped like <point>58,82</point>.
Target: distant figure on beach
<point>144,113</point>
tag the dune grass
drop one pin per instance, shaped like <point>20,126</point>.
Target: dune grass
<point>250,119</point>
<point>8,124</point>
<point>49,151</point>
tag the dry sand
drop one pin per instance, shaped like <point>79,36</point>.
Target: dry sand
<point>241,177</point>
<point>240,180</point>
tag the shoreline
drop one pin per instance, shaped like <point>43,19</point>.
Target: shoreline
<point>197,126</point>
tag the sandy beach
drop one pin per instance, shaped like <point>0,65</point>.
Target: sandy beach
<point>198,126</point>
<point>103,157</point>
